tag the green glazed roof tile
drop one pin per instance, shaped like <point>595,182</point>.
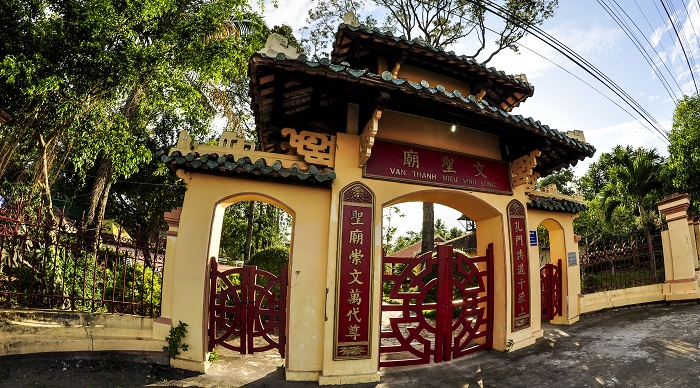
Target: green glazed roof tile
<point>225,165</point>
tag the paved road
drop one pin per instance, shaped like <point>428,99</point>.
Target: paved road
<point>650,346</point>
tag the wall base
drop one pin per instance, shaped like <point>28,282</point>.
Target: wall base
<point>195,366</point>
<point>350,379</point>
<point>301,375</point>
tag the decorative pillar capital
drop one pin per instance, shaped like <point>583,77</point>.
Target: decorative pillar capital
<point>674,206</point>
<point>172,218</point>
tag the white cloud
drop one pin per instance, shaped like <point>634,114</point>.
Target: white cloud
<point>290,12</point>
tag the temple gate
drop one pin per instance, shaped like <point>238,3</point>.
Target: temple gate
<point>382,122</point>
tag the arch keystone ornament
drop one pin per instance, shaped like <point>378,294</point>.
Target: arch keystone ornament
<point>519,266</point>
<point>351,338</point>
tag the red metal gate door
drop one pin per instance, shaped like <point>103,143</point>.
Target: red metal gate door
<point>247,303</point>
<point>439,307</point>
<point>550,283</point>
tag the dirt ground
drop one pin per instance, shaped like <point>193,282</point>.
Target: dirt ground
<point>655,345</point>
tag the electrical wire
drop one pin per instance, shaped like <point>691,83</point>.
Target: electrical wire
<point>578,60</point>
<point>637,44</point>
<point>680,42</point>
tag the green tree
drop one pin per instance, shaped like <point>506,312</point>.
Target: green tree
<point>564,180</point>
<point>684,158</point>
<point>635,183</point>
<point>90,81</point>
<point>440,23</point>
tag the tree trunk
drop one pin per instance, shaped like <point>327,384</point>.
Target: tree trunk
<point>98,200</point>
<point>249,232</point>
<point>428,231</point>
<point>650,246</point>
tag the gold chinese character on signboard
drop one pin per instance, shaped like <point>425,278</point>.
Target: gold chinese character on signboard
<point>518,227</point>
<point>522,310</point>
<point>351,350</point>
<point>352,314</point>
<point>410,159</point>
<point>519,255</point>
<point>519,240</point>
<point>356,256</point>
<point>354,296</point>
<point>356,217</point>
<point>480,170</point>
<point>521,269</point>
<point>356,237</point>
<point>355,277</point>
<point>521,282</point>
<point>521,297</point>
<point>353,332</point>
<point>448,165</point>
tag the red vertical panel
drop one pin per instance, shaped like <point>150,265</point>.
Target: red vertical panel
<point>353,292</point>
<point>213,277</point>
<point>520,284</point>
<point>284,276</point>
<point>489,301</point>
<point>250,308</point>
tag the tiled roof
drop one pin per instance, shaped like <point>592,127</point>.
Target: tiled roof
<point>460,66</point>
<point>571,149</point>
<point>555,204</point>
<point>229,165</point>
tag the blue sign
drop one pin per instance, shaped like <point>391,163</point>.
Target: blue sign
<point>533,238</point>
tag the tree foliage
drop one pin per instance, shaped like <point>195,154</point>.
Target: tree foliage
<point>563,179</point>
<point>684,158</point>
<point>621,189</point>
<point>440,23</point>
<point>91,81</point>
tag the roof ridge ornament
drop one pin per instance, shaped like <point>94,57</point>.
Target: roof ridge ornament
<point>351,19</point>
<point>278,44</point>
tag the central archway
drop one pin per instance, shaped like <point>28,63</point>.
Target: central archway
<point>469,285</point>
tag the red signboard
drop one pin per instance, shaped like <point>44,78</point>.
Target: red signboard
<point>353,292</point>
<point>519,265</point>
<point>415,164</point>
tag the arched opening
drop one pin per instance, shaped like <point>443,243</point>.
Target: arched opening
<point>251,234</point>
<point>439,305</point>
<point>552,254</point>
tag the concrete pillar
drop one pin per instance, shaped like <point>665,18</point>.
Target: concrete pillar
<point>683,283</point>
<point>162,324</point>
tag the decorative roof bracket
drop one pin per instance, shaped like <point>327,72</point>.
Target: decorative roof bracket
<point>521,170</point>
<point>367,137</point>
<point>315,148</point>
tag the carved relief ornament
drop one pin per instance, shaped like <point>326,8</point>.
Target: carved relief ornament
<point>521,170</point>
<point>367,137</point>
<point>316,148</point>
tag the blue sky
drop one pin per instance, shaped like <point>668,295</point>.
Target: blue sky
<point>566,103</point>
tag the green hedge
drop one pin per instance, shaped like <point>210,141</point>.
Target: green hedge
<point>271,259</point>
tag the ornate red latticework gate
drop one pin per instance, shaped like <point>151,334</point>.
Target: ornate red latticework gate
<point>247,303</point>
<point>443,307</point>
<point>550,283</point>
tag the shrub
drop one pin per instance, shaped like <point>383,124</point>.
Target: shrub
<point>271,259</point>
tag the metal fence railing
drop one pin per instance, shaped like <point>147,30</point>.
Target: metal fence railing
<point>48,261</point>
<point>621,265</point>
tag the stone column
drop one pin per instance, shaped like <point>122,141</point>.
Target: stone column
<point>681,281</point>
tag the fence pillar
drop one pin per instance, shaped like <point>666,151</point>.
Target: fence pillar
<point>680,261</point>
<point>162,324</point>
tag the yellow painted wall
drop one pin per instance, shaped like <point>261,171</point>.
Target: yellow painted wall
<point>40,331</point>
<point>432,133</point>
<point>314,244</point>
<point>561,242</point>
<point>198,239</point>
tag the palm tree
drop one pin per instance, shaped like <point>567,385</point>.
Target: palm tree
<point>634,179</point>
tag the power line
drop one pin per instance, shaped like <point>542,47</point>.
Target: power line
<point>680,42</point>
<point>587,84</point>
<point>579,61</point>
<point>672,73</point>
<point>637,44</point>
